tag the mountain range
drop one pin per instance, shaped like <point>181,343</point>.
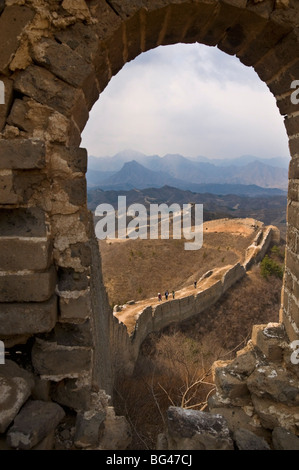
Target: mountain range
<point>246,175</point>
<point>270,210</point>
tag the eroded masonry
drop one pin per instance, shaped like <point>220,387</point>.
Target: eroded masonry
<point>56,57</point>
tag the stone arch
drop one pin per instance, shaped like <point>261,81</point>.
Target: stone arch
<point>57,60</point>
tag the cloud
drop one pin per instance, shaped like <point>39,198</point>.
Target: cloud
<point>188,99</point>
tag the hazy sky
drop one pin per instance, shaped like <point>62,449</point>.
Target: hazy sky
<point>187,99</point>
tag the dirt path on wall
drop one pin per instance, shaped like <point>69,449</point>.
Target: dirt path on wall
<point>130,313</point>
<point>246,227</point>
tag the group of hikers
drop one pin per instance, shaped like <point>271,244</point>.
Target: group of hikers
<point>173,293</point>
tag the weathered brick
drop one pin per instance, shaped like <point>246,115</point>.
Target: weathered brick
<point>282,83</point>
<point>57,362</point>
<point>22,154</point>
<point>246,27</point>
<point>19,254</point>
<point>36,420</point>
<point>294,146</point>
<point>72,393</point>
<point>81,38</point>
<point>115,47</point>
<point>76,190</point>
<point>8,195</point>
<point>293,311</point>
<point>27,287</point>
<point>71,334</point>
<point>293,214</point>
<point>256,49</point>
<point>292,263</point>
<point>294,190</point>
<point>292,125</point>
<point>294,168</point>
<point>102,67</point>
<point>285,105</point>
<point>289,327</point>
<point>226,18</point>
<point>28,318</point>
<point>76,158</point>
<point>153,25</point>
<point>70,280</point>
<point>133,37</point>
<point>108,20</point>
<point>42,86</point>
<point>12,22</point>
<point>75,308</point>
<point>66,64</point>
<point>283,53</point>
<point>21,222</point>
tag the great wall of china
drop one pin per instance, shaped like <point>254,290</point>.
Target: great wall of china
<point>55,321</point>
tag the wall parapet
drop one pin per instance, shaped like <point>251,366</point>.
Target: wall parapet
<point>211,287</point>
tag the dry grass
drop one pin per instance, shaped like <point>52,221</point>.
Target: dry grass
<point>139,269</point>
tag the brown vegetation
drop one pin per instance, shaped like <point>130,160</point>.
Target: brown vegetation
<point>139,269</point>
<point>174,365</point>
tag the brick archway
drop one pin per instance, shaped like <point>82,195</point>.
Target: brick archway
<point>56,61</point>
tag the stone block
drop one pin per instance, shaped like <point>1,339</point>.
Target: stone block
<point>230,386</point>
<point>8,195</point>
<point>42,86</point>
<point>67,65</point>
<point>273,414</point>
<point>27,318</point>
<point>247,440</point>
<point>115,48</point>
<point>71,334</point>
<point>292,126</point>
<point>22,154</point>
<point>36,420</point>
<point>16,385</point>
<point>274,383</point>
<point>197,430</point>
<point>19,254</point>
<point>27,287</point>
<point>21,222</point>
<point>77,191</point>
<point>283,439</point>
<point>89,427</point>
<point>56,362</point>
<point>12,22</point>
<point>270,340</point>
<point>294,167</point>
<point>263,43</point>
<point>8,97</point>
<point>117,433</point>
<point>73,394</point>
<point>80,38</point>
<point>292,259</point>
<point>74,157</point>
<point>75,307</point>
<point>70,280</point>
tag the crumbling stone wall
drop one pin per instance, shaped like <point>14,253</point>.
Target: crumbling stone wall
<point>55,59</point>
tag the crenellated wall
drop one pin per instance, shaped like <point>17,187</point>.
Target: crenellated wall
<point>210,288</point>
